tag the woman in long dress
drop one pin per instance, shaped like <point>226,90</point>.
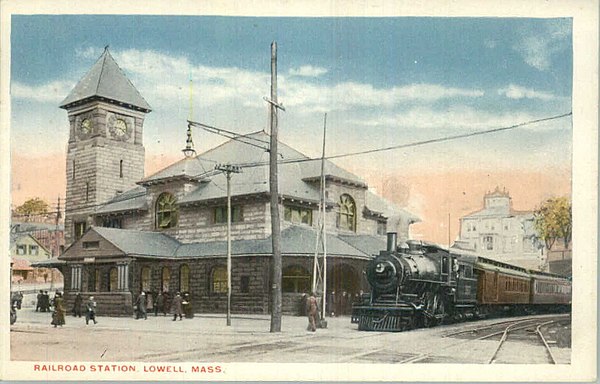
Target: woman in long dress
<point>58,316</point>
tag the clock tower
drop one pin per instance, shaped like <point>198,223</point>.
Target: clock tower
<point>105,154</point>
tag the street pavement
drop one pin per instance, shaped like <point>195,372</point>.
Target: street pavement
<point>207,338</point>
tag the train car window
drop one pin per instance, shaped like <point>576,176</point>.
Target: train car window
<point>468,271</point>
<point>444,265</point>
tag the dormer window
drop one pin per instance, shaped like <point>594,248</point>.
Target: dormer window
<point>347,213</point>
<point>166,211</point>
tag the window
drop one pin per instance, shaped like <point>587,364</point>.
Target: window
<point>184,278</point>
<point>297,215</point>
<point>295,279</point>
<point>112,222</point>
<point>445,265</point>
<point>113,280</point>
<point>76,277</point>
<point>166,211</point>
<point>79,229</point>
<point>488,243</point>
<point>219,280</point>
<point>90,244</point>
<point>245,284</point>
<point>347,214</point>
<point>97,280</point>
<point>21,249</point>
<point>165,279</point>
<point>145,279</point>
<point>121,169</point>
<point>34,250</point>
<point>220,214</point>
<point>87,191</point>
<point>381,228</point>
<point>73,175</point>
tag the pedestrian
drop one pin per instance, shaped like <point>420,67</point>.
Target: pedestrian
<point>149,302</point>
<point>19,299</point>
<point>140,306</point>
<point>90,310</point>
<point>312,309</point>
<point>176,307</point>
<point>58,316</point>
<point>331,304</point>
<point>188,310</point>
<point>159,305</point>
<point>46,302</point>
<point>38,302</point>
<point>302,309</point>
<point>77,305</point>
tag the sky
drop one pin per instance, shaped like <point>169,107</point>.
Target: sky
<point>382,82</point>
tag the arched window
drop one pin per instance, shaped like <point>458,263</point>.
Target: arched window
<point>113,280</point>
<point>165,279</point>
<point>121,169</point>
<point>184,278</point>
<point>218,280</point>
<point>347,215</point>
<point>295,279</point>
<point>166,211</point>
<point>145,279</point>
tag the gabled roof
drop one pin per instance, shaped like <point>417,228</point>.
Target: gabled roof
<point>296,171</point>
<point>105,80</point>
<point>139,242</point>
<point>295,240</point>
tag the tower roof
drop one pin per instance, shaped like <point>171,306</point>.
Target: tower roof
<point>105,80</point>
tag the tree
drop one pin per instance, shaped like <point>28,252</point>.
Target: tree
<point>553,221</point>
<point>35,206</point>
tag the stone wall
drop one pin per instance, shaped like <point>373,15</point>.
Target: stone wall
<point>343,275</point>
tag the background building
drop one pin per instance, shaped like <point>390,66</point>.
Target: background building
<point>167,232</point>
<point>499,232</point>
<point>31,243</point>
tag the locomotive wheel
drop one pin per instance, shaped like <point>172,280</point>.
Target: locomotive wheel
<point>434,306</point>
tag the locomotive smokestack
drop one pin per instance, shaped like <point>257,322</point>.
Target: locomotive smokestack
<point>392,241</point>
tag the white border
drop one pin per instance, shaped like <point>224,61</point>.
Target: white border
<point>585,180</point>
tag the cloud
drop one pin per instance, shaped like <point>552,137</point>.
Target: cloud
<point>456,117</point>
<point>90,53</point>
<point>53,92</point>
<point>517,92</point>
<point>308,71</point>
<point>164,81</point>
<point>350,95</point>
<point>538,49</point>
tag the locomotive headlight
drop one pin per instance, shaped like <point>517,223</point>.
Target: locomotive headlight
<point>379,268</point>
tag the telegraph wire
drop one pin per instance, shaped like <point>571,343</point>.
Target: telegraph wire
<point>413,144</point>
<point>306,159</point>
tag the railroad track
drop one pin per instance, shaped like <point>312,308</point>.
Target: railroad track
<point>502,329</point>
<point>524,326</point>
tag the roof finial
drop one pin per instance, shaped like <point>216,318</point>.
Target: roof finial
<point>106,48</point>
<point>189,151</point>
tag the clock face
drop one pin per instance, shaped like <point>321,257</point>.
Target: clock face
<point>86,126</point>
<point>120,127</point>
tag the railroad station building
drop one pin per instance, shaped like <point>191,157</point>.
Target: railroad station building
<point>167,232</point>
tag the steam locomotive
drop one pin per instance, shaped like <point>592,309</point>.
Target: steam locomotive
<point>420,284</point>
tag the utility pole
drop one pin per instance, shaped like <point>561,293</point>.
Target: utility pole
<point>320,274</point>
<point>274,192</point>
<point>228,170</point>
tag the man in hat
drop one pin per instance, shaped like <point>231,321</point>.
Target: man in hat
<point>90,313</point>
<point>176,307</point>
<point>140,306</point>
